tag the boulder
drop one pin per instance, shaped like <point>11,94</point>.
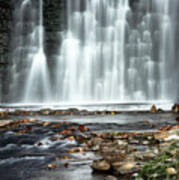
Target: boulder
<point>101,165</point>
<point>153,109</point>
<point>125,168</point>
<point>171,171</point>
<point>4,123</point>
<point>45,111</point>
<point>175,108</point>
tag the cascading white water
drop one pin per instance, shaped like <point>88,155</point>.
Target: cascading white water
<point>33,83</point>
<point>166,47</point>
<point>38,79</point>
<point>112,51</point>
<point>140,66</point>
<point>92,62</point>
<point>109,52</point>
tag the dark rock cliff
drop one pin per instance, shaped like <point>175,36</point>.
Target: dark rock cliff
<point>5,37</point>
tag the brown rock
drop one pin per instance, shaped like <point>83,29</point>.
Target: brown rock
<point>46,123</point>
<point>126,167</point>
<point>56,125</point>
<point>113,112</point>
<point>161,136</point>
<point>66,164</point>
<point>54,138</point>
<point>96,141</point>
<point>153,109</point>
<point>51,166</point>
<point>171,171</point>
<point>45,112</point>
<point>175,108</point>
<point>82,128</point>
<point>101,165</point>
<point>71,138</point>
<point>4,123</point>
<point>66,132</point>
<point>39,143</point>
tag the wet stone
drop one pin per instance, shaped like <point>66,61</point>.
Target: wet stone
<point>101,165</point>
<point>119,156</point>
<point>153,109</point>
<point>126,168</point>
<point>175,108</point>
<point>45,111</point>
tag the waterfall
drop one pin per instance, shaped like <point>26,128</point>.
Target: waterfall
<point>111,51</point>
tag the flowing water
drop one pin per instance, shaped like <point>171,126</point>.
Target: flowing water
<point>30,72</point>
<point>112,51</point>
<point>38,78</point>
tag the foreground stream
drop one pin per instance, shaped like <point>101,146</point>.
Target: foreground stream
<point>43,146</point>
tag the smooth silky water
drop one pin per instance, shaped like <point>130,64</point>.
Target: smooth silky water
<point>30,71</point>
<point>112,51</point>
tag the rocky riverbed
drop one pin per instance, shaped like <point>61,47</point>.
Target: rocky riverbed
<point>91,147</point>
<point>153,155</point>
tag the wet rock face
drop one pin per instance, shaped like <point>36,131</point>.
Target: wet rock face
<point>5,34</point>
<point>54,22</point>
<point>5,24</point>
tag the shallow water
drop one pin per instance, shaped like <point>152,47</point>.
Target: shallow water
<point>22,158</point>
<point>90,106</point>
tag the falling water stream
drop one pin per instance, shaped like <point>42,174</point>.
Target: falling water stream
<point>111,51</point>
<point>38,78</point>
<point>32,84</point>
<point>92,58</point>
<point>108,55</point>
